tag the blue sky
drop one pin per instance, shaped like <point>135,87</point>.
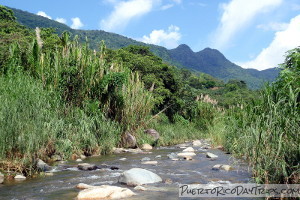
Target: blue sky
<point>251,33</point>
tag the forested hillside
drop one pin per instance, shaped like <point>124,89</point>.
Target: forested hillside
<point>208,61</point>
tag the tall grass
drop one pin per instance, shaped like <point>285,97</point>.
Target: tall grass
<point>267,132</point>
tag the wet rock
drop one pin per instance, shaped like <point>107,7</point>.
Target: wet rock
<point>84,186</point>
<point>223,167</point>
<point>78,160</point>
<point>146,147</point>
<point>175,159</point>
<point>145,159</point>
<point>188,158</point>
<point>87,166</point>
<point>140,188</point>
<point>104,192</point>
<point>197,143</point>
<point>189,149</point>
<point>185,154</point>
<point>118,150</point>
<point>19,177</point>
<point>107,167</point>
<point>42,166</point>
<point>168,181</point>
<point>82,157</point>
<point>202,150</point>
<point>184,145</point>
<point>49,174</point>
<point>1,178</point>
<point>158,156</point>
<point>128,140</point>
<point>153,133</point>
<point>172,156</point>
<point>211,155</point>
<point>216,167</point>
<point>226,167</point>
<point>56,158</point>
<point>138,176</point>
<point>123,159</point>
<point>150,162</point>
<point>134,150</point>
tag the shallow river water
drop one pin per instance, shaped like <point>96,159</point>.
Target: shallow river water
<point>62,185</point>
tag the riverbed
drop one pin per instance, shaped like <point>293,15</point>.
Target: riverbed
<point>62,184</point>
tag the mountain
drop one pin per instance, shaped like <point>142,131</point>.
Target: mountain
<point>213,62</point>
<point>209,61</point>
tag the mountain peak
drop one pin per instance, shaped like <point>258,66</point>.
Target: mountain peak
<point>183,47</point>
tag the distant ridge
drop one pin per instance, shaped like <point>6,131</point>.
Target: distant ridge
<point>210,61</point>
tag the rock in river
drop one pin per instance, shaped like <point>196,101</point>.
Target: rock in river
<point>189,149</point>
<point>186,154</point>
<point>42,166</point>
<point>211,155</point>
<point>138,176</point>
<point>86,166</point>
<point>104,192</point>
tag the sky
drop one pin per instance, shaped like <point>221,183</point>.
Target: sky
<point>251,33</point>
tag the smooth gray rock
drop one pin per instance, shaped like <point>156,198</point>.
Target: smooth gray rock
<point>211,155</point>
<point>138,176</point>
<point>42,166</point>
<point>172,156</point>
<point>87,166</point>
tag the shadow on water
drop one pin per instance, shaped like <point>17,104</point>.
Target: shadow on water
<point>61,185</point>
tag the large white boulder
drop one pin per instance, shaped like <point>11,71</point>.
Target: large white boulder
<point>186,154</point>
<point>103,192</point>
<point>189,149</point>
<point>138,176</point>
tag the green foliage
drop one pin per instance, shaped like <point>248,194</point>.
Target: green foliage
<point>267,131</point>
<point>6,14</point>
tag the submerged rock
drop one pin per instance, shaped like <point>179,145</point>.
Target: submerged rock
<point>172,156</point>
<point>104,192</point>
<point>153,133</point>
<point>150,162</point>
<point>223,167</point>
<point>146,147</point>
<point>138,176</point>
<point>145,159</point>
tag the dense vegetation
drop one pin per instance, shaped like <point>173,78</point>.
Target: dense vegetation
<point>61,97</point>
<point>208,61</point>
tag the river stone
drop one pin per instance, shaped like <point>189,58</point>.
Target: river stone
<point>150,162</point>
<point>19,177</point>
<point>197,143</point>
<point>185,154</point>
<point>145,159</point>
<point>189,149</point>
<point>82,157</point>
<point>188,158</point>
<point>172,156</point>
<point>86,166</point>
<point>140,188</point>
<point>129,140</point>
<point>158,156</point>
<point>226,167</point>
<point>123,159</point>
<point>216,167</point>
<point>78,160</point>
<point>138,176</point>
<point>1,178</point>
<point>211,155</point>
<point>42,166</point>
<point>152,133</point>
<point>104,192</point>
<point>146,147</point>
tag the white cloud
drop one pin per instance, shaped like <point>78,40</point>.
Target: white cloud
<point>282,42</point>
<point>167,6</point>
<point>237,14</point>
<point>177,1</point>
<point>76,23</point>
<point>43,14</point>
<point>273,26</point>
<point>168,38</point>
<point>61,20</point>
<point>125,11</point>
